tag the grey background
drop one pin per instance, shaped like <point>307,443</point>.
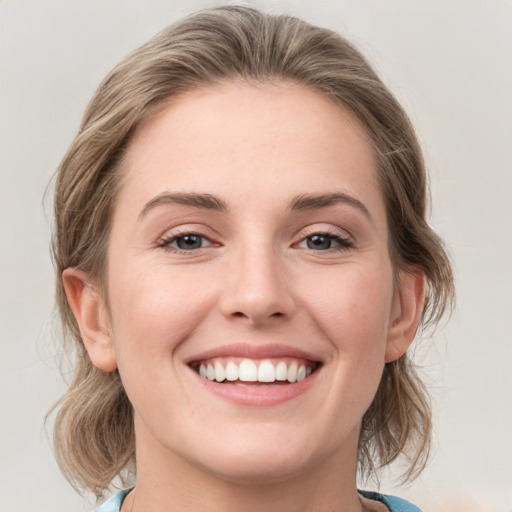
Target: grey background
<point>448,61</point>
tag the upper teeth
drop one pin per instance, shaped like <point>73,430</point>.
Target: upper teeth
<point>248,371</point>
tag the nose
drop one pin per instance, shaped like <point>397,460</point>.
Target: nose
<point>257,289</point>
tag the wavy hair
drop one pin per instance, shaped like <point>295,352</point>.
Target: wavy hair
<point>93,430</point>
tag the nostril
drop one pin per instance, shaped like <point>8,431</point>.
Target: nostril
<point>240,314</point>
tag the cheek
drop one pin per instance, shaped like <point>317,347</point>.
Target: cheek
<point>352,305</point>
<point>154,311</point>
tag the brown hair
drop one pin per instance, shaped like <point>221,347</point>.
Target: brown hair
<point>93,434</point>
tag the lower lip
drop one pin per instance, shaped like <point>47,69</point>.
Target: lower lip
<point>259,395</point>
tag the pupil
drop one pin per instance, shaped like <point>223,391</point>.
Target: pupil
<point>319,242</point>
<point>189,242</point>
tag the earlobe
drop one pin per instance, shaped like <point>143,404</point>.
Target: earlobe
<point>91,316</point>
<point>406,314</point>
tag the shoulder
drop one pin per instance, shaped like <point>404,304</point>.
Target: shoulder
<point>394,503</point>
<point>113,504</point>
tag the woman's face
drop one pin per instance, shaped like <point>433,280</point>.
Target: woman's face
<point>249,241</point>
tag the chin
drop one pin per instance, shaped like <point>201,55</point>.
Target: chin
<point>259,469</point>
<point>261,460</point>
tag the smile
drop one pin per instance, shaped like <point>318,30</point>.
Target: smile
<point>278,371</point>
<point>256,375</point>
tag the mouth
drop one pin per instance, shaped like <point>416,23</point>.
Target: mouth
<point>268,372</point>
<point>256,375</point>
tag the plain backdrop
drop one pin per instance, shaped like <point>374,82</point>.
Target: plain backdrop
<point>450,64</point>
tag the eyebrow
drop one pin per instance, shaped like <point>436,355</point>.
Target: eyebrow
<point>203,201</point>
<point>313,201</point>
<point>210,202</point>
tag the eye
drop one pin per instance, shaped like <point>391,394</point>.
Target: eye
<point>324,242</point>
<point>189,242</point>
<point>186,242</point>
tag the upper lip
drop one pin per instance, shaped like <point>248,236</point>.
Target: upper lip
<point>271,350</point>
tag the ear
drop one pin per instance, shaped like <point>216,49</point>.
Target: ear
<point>406,314</point>
<point>91,315</point>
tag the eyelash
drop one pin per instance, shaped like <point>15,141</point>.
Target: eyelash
<point>165,243</point>
<point>344,243</point>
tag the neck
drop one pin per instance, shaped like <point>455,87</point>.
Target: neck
<point>167,482</point>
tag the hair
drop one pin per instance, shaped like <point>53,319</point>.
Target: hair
<point>93,431</point>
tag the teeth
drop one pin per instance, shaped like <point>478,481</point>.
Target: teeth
<point>266,372</point>
<point>281,371</point>
<point>291,376</point>
<point>231,371</point>
<point>248,371</point>
<point>220,373</point>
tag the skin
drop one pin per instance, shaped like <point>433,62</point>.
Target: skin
<point>256,281</point>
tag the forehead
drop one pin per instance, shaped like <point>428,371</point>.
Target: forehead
<point>238,140</point>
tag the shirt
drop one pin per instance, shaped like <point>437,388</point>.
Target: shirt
<point>394,504</point>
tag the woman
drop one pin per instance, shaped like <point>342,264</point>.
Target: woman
<point>243,261</point>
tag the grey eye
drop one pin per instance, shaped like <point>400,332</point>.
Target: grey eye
<point>319,242</point>
<point>189,242</point>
